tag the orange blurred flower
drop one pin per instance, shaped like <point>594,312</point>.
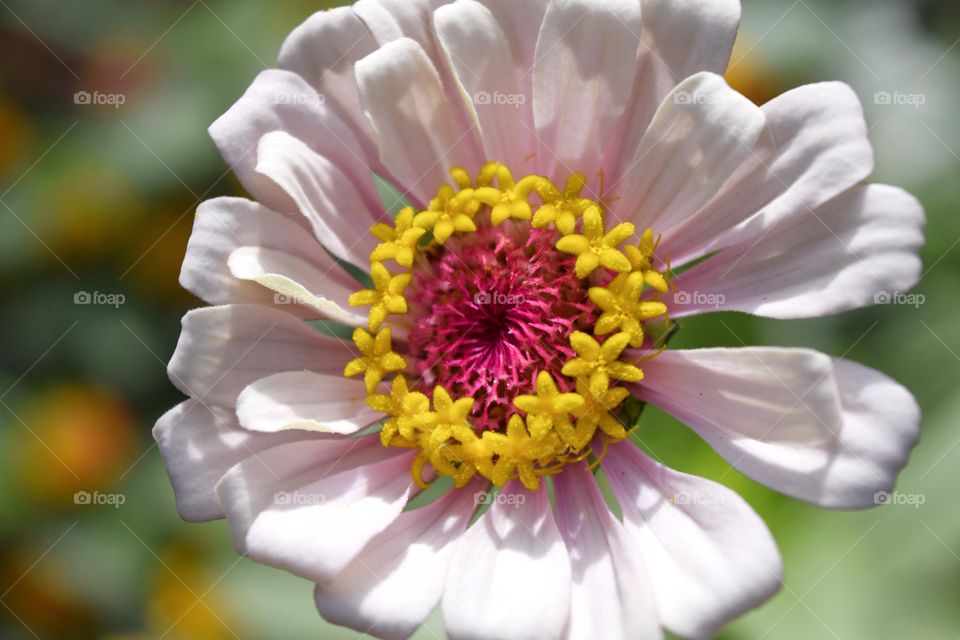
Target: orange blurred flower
<point>76,438</point>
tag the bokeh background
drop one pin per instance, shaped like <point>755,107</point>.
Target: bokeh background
<point>96,205</point>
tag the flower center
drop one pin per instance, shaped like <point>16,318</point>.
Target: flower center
<point>517,327</point>
<point>493,309</point>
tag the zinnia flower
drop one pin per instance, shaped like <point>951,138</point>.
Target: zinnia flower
<point>579,177</point>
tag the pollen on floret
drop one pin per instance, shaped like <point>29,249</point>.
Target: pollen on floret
<point>515,318</point>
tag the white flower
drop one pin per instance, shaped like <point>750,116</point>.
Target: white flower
<point>625,97</point>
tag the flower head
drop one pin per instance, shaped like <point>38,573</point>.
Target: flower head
<point>593,192</point>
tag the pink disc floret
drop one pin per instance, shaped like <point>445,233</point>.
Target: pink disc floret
<point>492,309</point>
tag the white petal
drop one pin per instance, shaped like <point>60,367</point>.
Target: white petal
<point>709,556</point>
<point>394,584</point>
<point>701,134</point>
<point>856,247</point>
<point>323,51</point>
<point>611,596</point>
<point>324,196</point>
<point>479,53</point>
<point>303,400</point>
<point>881,426</point>
<point>295,281</point>
<point>199,443</point>
<point>417,132</point>
<point>793,419</point>
<point>223,349</point>
<point>814,148</point>
<point>584,51</point>
<point>283,101</point>
<point>510,563</point>
<point>311,507</point>
<point>224,225</point>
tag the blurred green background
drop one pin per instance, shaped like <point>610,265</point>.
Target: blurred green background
<point>99,199</point>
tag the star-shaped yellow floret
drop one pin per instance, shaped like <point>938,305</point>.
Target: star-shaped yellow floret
<point>549,408</point>
<point>594,248</point>
<point>641,260</point>
<point>385,298</point>
<point>403,406</point>
<point>462,456</point>
<point>377,359</point>
<point>518,452</point>
<point>600,363</point>
<point>450,211</point>
<point>462,177</point>
<point>561,209</point>
<point>399,242</point>
<point>447,439</point>
<point>450,415</point>
<point>511,199</point>
<point>622,307</point>
<point>595,413</point>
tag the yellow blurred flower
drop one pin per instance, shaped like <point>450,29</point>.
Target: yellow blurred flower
<point>749,75</point>
<point>93,208</point>
<point>184,604</point>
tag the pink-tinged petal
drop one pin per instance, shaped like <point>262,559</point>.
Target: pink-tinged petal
<point>391,20</point>
<point>323,51</point>
<point>417,133</point>
<point>693,35</point>
<point>611,594</point>
<point>814,148</point>
<point>224,225</point>
<point>311,507</point>
<point>519,20</point>
<point>510,563</point>
<point>223,349</point>
<point>294,281</point>
<point>394,584</point>
<point>283,101</point>
<point>336,211</point>
<point>701,134</point>
<point>199,444</point>
<point>829,432</point>
<point>584,51</point>
<point>478,52</point>
<point>306,401</point>
<point>858,246</point>
<point>679,39</point>
<point>709,556</point>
